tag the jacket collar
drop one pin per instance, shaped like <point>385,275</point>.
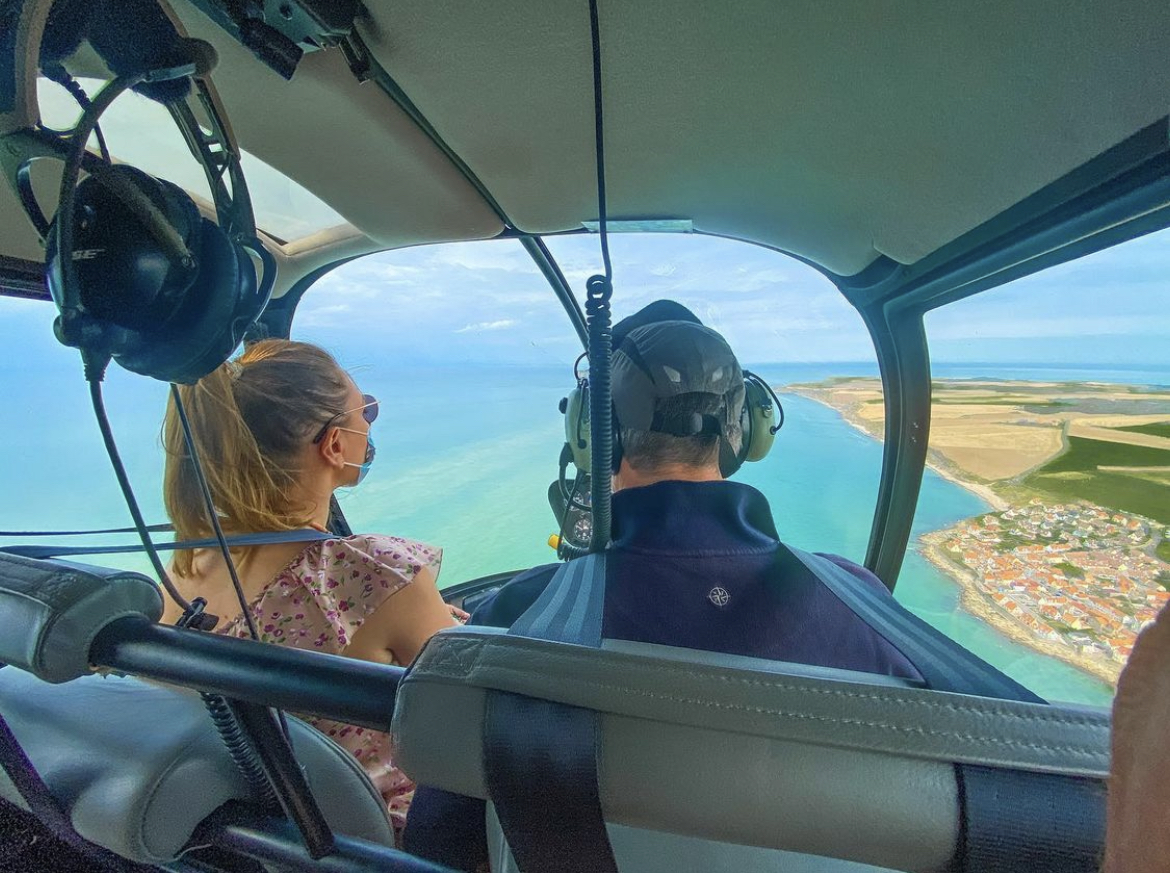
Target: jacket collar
<point>696,518</point>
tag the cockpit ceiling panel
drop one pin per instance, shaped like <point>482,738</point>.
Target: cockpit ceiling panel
<point>836,131</point>
<point>346,142</point>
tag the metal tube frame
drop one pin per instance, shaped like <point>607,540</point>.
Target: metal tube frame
<point>236,831</point>
<point>312,683</point>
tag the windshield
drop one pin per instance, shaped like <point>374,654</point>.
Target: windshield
<point>1046,481</point>
<point>473,351</point>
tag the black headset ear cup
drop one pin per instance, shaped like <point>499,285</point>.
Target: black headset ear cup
<point>756,421</point>
<point>122,272</point>
<point>172,322</point>
<point>219,307</point>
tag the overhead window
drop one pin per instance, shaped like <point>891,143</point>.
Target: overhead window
<point>140,132</point>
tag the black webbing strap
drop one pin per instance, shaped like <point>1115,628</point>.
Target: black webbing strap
<point>540,758</point>
<point>255,539</point>
<point>36,794</point>
<point>944,664</point>
<point>1039,822</point>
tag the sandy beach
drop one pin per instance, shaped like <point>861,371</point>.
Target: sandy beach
<point>983,492</point>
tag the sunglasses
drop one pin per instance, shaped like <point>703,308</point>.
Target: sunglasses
<point>369,410</point>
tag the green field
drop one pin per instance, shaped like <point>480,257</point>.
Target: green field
<point>1163,550</point>
<point>1156,428</point>
<point>1073,475</point>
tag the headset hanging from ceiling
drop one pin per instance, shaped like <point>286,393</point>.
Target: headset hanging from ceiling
<point>139,276</point>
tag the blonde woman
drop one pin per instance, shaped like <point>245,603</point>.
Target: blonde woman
<point>277,431</point>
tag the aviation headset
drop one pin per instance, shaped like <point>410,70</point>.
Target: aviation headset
<point>760,419</point>
<point>137,273</point>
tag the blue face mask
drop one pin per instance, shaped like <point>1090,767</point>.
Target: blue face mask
<point>364,466</point>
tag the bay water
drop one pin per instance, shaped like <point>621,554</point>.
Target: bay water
<point>465,458</point>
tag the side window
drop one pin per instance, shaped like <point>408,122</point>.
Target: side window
<point>1051,425</point>
<point>787,323</point>
<point>54,470</point>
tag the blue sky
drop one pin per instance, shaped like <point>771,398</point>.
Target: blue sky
<point>486,302</point>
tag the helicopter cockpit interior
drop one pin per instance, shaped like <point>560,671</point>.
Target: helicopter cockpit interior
<point>913,155</point>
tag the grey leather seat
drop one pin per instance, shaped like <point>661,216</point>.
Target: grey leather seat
<point>136,766</point>
<point>139,766</point>
<point>724,752</point>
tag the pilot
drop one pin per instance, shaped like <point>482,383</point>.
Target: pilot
<point>695,560</point>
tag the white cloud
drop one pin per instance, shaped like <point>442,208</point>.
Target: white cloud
<point>328,315</point>
<point>488,325</point>
<point>497,255</point>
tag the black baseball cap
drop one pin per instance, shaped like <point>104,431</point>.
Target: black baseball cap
<point>664,351</point>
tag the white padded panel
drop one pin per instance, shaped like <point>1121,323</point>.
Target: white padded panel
<point>793,758</point>
<point>17,237</point>
<point>642,851</point>
<point>345,142</point>
<point>833,130</point>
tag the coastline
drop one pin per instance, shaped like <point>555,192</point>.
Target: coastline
<point>973,601</point>
<point>983,492</point>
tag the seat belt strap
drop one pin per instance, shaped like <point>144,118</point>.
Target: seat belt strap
<point>1039,822</point>
<point>540,757</point>
<point>28,534</point>
<point>944,664</point>
<point>255,539</point>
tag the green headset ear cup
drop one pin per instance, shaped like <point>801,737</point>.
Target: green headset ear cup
<point>577,426</point>
<point>758,419</point>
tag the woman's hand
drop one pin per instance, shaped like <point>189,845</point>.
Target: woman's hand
<point>458,614</point>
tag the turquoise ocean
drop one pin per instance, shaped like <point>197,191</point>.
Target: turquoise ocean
<point>465,457</point>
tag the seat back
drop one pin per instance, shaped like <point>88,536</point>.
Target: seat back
<point>137,767</point>
<point>750,753</point>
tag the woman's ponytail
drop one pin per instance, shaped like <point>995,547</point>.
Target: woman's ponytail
<point>276,391</point>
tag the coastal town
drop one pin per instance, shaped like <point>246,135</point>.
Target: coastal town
<point>1074,559</point>
<point>1075,575</point>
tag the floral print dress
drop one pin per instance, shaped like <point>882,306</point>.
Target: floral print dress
<point>318,602</point>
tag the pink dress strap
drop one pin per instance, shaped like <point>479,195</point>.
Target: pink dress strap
<point>318,602</point>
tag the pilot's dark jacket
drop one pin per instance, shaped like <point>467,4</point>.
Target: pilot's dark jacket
<point>691,564</point>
